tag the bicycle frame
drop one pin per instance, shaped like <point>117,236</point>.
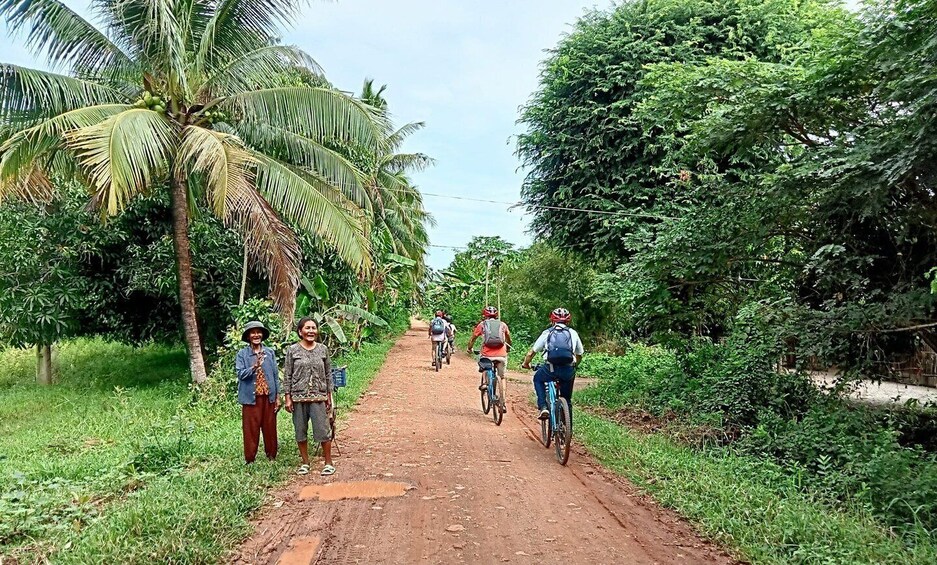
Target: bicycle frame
<point>551,404</point>
<point>491,383</point>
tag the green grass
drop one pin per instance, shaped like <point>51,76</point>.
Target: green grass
<point>114,464</point>
<point>753,506</point>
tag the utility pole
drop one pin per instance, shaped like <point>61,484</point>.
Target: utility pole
<point>487,270</point>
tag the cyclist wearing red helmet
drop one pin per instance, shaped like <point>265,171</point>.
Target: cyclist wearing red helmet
<point>496,338</point>
<point>562,351</point>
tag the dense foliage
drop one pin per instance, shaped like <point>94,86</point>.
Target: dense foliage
<point>761,180</point>
<point>771,155</point>
<point>201,98</point>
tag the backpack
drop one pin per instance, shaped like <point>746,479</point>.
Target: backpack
<point>438,326</point>
<point>492,333</point>
<point>560,347</point>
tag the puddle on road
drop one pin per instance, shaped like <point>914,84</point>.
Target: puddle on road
<point>359,489</point>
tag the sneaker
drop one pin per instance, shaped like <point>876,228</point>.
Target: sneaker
<point>544,414</point>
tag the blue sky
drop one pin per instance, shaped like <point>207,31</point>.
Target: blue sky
<point>463,68</point>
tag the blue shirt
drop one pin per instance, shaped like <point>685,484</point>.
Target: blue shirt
<point>247,376</point>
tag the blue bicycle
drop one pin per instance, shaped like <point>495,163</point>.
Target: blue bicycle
<point>490,398</point>
<point>557,428</point>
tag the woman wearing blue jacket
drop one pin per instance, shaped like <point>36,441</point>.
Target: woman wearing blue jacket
<point>258,391</point>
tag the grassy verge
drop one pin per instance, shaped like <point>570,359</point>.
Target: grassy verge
<point>752,505</point>
<point>115,465</point>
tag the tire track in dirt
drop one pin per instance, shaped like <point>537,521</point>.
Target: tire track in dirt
<point>478,493</point>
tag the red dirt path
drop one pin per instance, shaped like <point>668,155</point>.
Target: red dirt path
<point>477,493</point>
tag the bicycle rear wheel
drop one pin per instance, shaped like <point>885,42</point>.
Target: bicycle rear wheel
<point>546,434</point>
<point>486,400</point>
<point>437,360</point>
<point>496,414</point>
<point>563,430</point>
<point>448,356</point>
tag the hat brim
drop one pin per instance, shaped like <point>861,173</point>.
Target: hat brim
<point>265,332</point>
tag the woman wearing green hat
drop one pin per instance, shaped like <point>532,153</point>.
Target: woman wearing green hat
<point>258,391</point>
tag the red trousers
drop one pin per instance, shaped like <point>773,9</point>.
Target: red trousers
<point>256,419</point>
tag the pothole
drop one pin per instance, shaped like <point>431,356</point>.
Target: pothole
<point>358,489</point>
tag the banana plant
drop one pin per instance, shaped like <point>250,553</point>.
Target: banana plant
<point>314,301</point>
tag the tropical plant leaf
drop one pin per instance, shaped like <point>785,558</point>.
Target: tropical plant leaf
<point>314,112</point>
<point>25,149</point>
<point>355,313</point>
<point>321,288</point>
<point>400,259</point>
<point>152,31</point>
<point>303,304</point>
<point>271,243</point>
<point>309,154</point>
<point>306,200</point>
<point>336,328</point>
<point>29,95</point>
<point>221,160</point>
<point>66,38</point>
<point>240,26</point>
<point>264,67</point>
<point>123,155</point>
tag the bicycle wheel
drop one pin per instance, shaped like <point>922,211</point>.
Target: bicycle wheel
<point>546,434</point>
<point>563,430</point>
<point>448,356</point>
<point>437,361</point>
<point>486,400</point>
<point>496,414</point>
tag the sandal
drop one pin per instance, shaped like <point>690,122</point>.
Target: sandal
<point>327,470</point>
<point>303,469</point>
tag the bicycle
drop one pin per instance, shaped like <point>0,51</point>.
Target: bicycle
<point>557,429</point>
<point>448,353</point>
<point>490,401</point>
<point>438,355</point>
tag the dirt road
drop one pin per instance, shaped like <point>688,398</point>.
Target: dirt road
<point>446,485</point>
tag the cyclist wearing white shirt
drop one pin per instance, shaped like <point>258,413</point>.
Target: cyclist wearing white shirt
<point>562,351</point>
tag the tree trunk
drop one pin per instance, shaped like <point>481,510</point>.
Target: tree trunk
<point>243,276</point>
<point>180,240</point>
<point>44,364</point>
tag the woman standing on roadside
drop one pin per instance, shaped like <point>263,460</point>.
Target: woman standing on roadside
<point>307,382</point>
<point>258,391</point>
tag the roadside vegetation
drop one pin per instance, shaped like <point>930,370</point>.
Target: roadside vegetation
<point>728,195</point>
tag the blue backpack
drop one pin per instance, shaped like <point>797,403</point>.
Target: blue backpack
<point>560,347</point>
<point>438,326</point>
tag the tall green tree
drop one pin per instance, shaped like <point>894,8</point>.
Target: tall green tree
<point>198,95</point>
<point>585,148</point>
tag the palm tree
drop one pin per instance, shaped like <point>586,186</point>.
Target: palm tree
<point>399,218</point>
<point>199,95</point>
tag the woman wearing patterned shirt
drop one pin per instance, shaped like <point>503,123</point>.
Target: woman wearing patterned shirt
<point>258,391</point>
<point>307,382</point>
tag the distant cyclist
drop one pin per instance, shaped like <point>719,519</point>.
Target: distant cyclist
<point>496,338</point>
<point>450,331</point>
<point>437,332</point>
<point>562,351</point>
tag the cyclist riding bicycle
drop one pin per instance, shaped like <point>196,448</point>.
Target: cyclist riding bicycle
<point>450,330</point>
<point>562,351</point>
<point>496,338</point>
<point>437,333</point>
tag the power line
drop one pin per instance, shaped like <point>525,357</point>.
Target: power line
<point>517,204</point>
